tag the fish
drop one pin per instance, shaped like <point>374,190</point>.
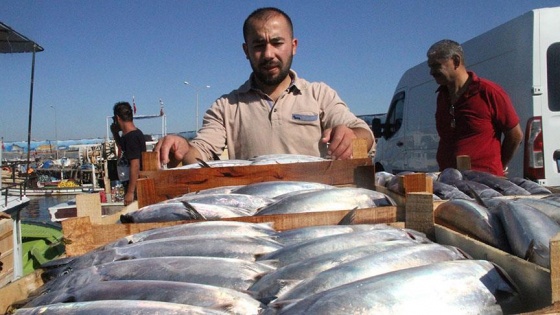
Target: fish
<point>232,273</point>
<point>244,201</point>
<point>474,220</point>
<point>382,178</point>
<point>501,185</point>
<point>284,159</point>
<point>268,286</point>
<point>197,228</point>
<point>216,212</point>
<point>307,233</point>
<point>238,246</point>
<point>472,188</point>
<point>122,307</point>
<point>207,296</point>
<point>343,198</point>
<point>215,190</point>
<point>448,192</point>
<point>450,176</point>
<point>529,232</point>
<point>373,265</point>
<point>306,250</point>
<point>530,186</point>
<point>449,287</point>
<point>162,212</point>
<point>549,207</point>
<point>216,163</point>
<point>272,189</point>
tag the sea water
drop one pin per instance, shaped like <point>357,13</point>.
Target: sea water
<point>38,207</point>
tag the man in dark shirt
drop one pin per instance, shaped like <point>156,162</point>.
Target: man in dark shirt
<point>132,144</point>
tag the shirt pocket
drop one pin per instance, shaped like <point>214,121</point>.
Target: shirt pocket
<point>305,118</point>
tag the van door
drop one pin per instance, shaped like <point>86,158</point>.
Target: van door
<point>551,117</point>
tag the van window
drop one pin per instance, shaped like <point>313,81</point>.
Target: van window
<point>553,76</point>
<point>394,118</point>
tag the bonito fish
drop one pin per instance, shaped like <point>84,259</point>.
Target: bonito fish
<point>306,250</point>
<point>208,296</point>
<point>122,307</point>
<point>529,232</point>
<point>344,198</point>
<point>450,287</point>
<point>230,273</point>
<point>373,265</point>
<point>273,189</point>
<point>474,220</point>
<point>239,246</point>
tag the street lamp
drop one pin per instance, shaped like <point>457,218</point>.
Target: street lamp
<point>55,130</point>
<point>197,89</point>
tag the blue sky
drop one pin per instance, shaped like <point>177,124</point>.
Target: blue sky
<point>104,51</point>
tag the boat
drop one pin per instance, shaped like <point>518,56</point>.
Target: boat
<point>69,209</point>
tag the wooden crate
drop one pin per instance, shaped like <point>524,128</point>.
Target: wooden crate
<point>159,185</point>
<point>6,251</point>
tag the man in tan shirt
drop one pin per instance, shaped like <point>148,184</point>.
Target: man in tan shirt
<point>275,111</point>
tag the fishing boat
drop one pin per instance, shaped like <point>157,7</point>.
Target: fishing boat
<point>69,209</point>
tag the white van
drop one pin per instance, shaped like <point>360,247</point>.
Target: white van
<point>523,56</point>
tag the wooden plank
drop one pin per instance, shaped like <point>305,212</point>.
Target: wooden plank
<point>6,251</point>
<point>175,182</point>
<point>420,213</point>
<point>555,268</point>
<point>150,161</point>
<point>463,162</point>
<point>89,205</point>
<point>19,290</point>
<point>359,149</point>
<point>532,280</point>
<point>84,236</point>
<point>418,182</point>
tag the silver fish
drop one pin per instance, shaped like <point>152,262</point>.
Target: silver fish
<point>473,220</point>
<point>530,186</point>
<point>547,206</point>
<point>450,287</point>
<point>306,250</point>
<point>529,232</point>
<point>448,192</point>
<point>122,307</point>
<point>268,287</point>
<point>238,246</point>
<point>197,228</point>
<point>162,212</point>
<point>450,176</point>
<point>208,296</point>
<point>307,233</point>
<point>501,185</point>
<point>233,273</point>
<point>343,198</point>
<point>471,188</point>
<point>284,159</point>
<point>373,265</point>
<point>216,163</point>
<point>273,189</point>
<point>232,200</point>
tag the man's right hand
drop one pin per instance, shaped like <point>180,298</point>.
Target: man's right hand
<point>172,150</point>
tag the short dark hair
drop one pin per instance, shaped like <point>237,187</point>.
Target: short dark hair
<point>265,14</point>
<point>445,49</point>
<point>123,110</point>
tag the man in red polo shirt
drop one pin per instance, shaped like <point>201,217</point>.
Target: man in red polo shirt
<point>472,114</point>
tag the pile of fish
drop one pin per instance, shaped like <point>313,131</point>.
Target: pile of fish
<point>454,184</point>
<point>264,198</point>
<point>258,160</point>
<point>227,267</point>
<point>520,226</point>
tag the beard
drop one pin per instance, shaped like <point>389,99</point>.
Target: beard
<point>272,80</point>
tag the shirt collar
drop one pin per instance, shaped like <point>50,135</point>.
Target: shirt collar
<point>297,84</point>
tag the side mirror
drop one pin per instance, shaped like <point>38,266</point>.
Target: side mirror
<point>377,128</point>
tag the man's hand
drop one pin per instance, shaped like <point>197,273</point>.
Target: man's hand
<point>340,142</point>
<point>172,150</point>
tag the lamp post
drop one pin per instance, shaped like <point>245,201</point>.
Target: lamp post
<point>197,89</point>
<point>55,131</point>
